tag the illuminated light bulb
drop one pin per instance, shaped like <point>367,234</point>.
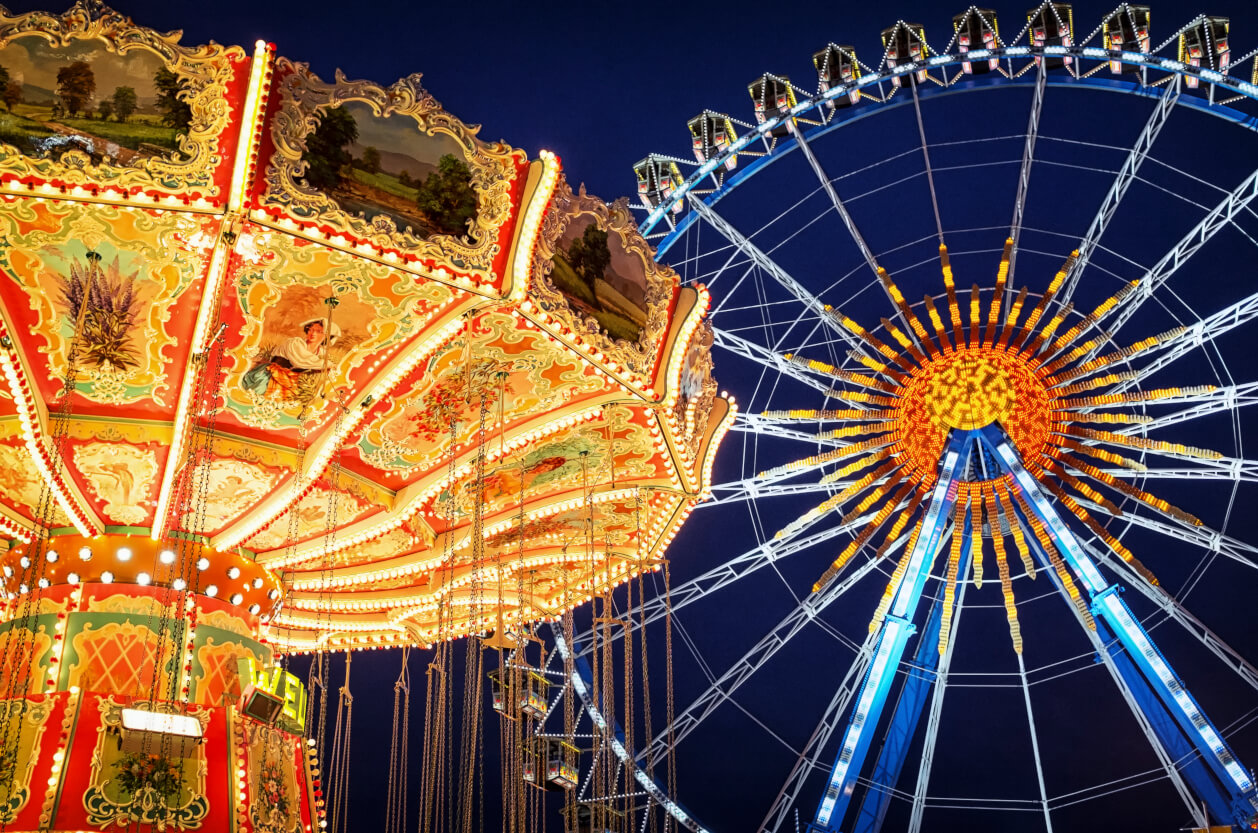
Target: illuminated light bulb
<point>203,563</point>
<point>143,579</point>
<point>166,557</point>
<point>212,590</point>
<point>106,577</point>
<point>85,553</point>
<point>43,582</point>
<point>237,598</point>
<point>25,562</point>
<point>52,556</point>
<point>233,572</point>
<point>179,584</point>
<point>72,578</point>
<point>124,553</point>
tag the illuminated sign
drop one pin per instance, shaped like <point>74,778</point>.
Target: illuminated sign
<point>279,684</point>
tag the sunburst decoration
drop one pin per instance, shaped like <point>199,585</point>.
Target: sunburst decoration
<point>1048,391</point>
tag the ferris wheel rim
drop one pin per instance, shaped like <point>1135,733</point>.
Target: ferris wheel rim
<point>1174,69</point>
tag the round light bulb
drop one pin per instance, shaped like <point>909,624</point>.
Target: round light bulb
<point>167,557</point>
<point>85,553</point>
<point>203,563</point>
<point>179,584</point>
<point>212,590</point>
<point>233,572</point>
<point>143,579</point>
<point>106,577</point>
<point>72,578</point>
<point>124,553</point>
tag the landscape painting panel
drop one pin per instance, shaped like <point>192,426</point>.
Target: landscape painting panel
<point>377,166</point>
<point>600,279</point>
<point>115,108</point>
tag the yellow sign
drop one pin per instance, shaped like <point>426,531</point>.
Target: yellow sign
<point>279,683</point>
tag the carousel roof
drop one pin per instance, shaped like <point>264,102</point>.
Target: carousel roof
<point>325,326</point>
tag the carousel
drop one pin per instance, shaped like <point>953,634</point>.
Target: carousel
<point>290,367</point>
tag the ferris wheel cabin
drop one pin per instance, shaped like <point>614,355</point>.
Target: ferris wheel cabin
<point>1052,24</point>
<point>773,97</point>
<point>1205,45</point>
<point>976,29</point>
<point>1127,30</point>
<point>711,134</point>
<point>905,43</point>
<point>836,65</point>
<point>657,180</point>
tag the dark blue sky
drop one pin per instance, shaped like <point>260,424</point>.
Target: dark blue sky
<point>604,84</point>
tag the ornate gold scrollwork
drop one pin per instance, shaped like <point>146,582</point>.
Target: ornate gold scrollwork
<point>661,281</point>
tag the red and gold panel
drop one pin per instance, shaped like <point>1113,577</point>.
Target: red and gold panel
<point>31,729</point>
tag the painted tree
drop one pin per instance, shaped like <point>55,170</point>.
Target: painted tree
<point>371,160</point>
<point>176,112</point>
<point>76,85</point>
<point>589,254</point>
<point>106,109</point>
<point>327,148</point>
<point>447,197</point>
<point>125,102</point>
<point>12,95</point>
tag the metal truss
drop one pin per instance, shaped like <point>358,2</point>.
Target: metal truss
<point>828,187</point>
<point>1024,175</point>
<point>1218,218</point>
<point>754,659</point>
<point>1126,175</point>
<point>769,265</point>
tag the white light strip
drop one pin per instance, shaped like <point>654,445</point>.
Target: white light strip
<point>873,681</point>
<point>1144,649</point>
<point>626,760</point>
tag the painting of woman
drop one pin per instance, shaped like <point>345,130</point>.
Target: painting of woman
<point>279,374</point>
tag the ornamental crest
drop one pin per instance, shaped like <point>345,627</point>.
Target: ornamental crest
<point>23,723</point>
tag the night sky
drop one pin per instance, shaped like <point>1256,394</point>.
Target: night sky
<point>604,84</point>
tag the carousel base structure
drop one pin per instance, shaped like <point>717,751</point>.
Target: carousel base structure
<point>144,707</point>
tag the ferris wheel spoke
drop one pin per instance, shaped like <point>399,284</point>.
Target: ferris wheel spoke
<point>1175,610</point>
<point>764,356</point>
<point>1187,339</point>
<point>750,423</point>
<point>1126,175</point>
<point>771,266</point>
<point>1024,175</point>
<point>1229,469</point>
<point>930,174</point>
<point>809,758</point>
<point>933,720</point>
<point>1199,536</point>
<point>770,552</point>
<point>754,659</point>
<point>1218,218</point>
<point>1203,403</point>
<point>828,186</point>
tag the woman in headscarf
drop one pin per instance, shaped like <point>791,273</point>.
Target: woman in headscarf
<point>279,376</point>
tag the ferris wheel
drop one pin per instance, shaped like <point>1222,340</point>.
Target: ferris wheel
<point>979,545</point>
